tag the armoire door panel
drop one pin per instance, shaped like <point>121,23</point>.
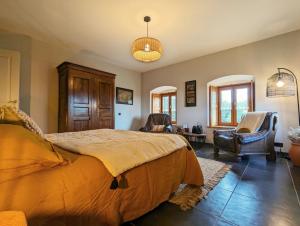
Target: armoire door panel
<point>105,94</point>
<point>80,125</point>
<point>80,100</point>
<point>105,123</point>
<point>105,112</point>
<point>105,100</point>
<point>81,112</point>
<point>81,90</point>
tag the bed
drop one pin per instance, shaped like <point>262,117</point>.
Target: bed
<point>77,190</point>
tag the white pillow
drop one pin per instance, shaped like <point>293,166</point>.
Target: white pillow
<point>158,128</point>
<point>27,121</point>
<point>252,121</point>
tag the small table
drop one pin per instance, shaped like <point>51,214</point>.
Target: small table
<point>195,137</point>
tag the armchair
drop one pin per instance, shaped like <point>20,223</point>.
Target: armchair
<point>158,119</point>
<point>260,142</point>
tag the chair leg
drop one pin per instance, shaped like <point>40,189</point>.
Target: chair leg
<point>271,156</point>
<point>216,152</point>
<point>245,157</point>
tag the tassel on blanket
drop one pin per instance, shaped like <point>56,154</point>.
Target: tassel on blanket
<point>114,184</point>
<point>123,182</point>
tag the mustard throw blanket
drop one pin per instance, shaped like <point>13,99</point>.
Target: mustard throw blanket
<point>119,150</point>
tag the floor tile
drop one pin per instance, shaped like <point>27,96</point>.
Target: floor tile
<point>221,222</point>
<point>245,211</point>
<point>230,181</point>
<point>215,202</point>
<point>295,172</point>
<point>260,162</point>
<point>255,192</point>
<point>272,187</point>
<point>170,215</point>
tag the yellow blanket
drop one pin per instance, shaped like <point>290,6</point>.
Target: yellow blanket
<point>12,218</point>
<point>119,150</point>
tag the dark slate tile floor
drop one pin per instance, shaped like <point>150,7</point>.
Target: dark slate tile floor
<point>254,192</point>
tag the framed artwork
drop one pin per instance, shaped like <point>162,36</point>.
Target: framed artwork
<point>124,96</point>
<point>190,93</point>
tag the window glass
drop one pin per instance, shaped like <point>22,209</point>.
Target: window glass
<point>165,104</point>
<point>156,104</point>
<point>242,103</point>
<point>173,108</point>
<point>213,108</point>
<point>226,105</point>
<point>229,103</point>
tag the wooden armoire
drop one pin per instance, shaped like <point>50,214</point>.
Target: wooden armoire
<point>86,98</point>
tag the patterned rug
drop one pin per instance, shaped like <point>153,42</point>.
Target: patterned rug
<point>188,196</point>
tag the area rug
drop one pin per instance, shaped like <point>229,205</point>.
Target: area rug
<point>188,196</point>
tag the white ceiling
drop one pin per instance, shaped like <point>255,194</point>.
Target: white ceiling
<point>186,28</point>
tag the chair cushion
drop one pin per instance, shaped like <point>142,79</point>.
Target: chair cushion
<point>23,152</point>
<point>158,128</point>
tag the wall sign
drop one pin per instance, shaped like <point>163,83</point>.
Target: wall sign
<point>190,93</point>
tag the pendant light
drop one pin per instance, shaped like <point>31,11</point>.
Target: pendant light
<point>146,49</point>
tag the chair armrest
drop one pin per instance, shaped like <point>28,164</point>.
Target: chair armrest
<point>246,138</point>
<point>168,129</point>
<point>227,132</point>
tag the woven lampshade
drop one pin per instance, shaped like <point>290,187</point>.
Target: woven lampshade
<point>146,49</point>
<point>281,84</point>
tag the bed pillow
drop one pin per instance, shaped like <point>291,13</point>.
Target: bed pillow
<point>158,128</point>
<point>23,152</point>
<point>243,130</point>
<point>11,115</point>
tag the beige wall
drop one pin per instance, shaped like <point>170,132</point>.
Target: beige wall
<point>44,85</point>
<point>259,59</point>
<point>39,80</point>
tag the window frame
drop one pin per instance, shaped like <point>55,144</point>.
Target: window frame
<point>161,103</point>
<point>233,88</point>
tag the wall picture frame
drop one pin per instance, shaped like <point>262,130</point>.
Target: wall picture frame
<point>124,96</point>
<point>190,93</point>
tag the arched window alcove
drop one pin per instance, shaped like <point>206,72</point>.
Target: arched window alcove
<point>229,98</point>
<point>163,99</point>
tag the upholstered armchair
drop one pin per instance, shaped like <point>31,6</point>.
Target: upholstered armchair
<point>158,119</point>
<point>260,142</point>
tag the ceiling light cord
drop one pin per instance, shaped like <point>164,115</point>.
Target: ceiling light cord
<point>147,29</point>
<point>147,19</point>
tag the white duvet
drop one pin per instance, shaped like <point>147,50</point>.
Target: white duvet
<point>119,150</point>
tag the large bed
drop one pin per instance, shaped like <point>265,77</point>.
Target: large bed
<point>77,191</point>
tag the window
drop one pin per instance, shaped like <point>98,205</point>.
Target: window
<point>165,103</point>
<point>229,103</point>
